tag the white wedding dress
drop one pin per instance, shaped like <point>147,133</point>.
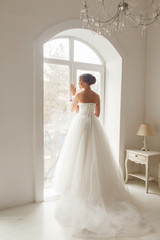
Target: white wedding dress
<point>94,201</point>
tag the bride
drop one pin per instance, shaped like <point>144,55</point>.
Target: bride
<point>93,199</point>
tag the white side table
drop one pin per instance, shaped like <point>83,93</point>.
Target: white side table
<point>141,157</point>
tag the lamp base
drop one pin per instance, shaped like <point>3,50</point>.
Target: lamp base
<point>144,149</point>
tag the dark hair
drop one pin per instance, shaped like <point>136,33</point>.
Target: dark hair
<point>88,78</point>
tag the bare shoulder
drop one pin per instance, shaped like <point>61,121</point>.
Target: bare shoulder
<point>80,95</point>
<point>97,97</point>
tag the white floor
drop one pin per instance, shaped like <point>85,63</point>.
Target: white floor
<point>36,221</point>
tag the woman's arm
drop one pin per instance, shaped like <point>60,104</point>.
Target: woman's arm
<point>73,90</point>
<point>74,104</point>
<point>74,98</point>
<point>97,108</point>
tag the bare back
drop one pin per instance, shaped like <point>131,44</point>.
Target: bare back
<point>89,96</point>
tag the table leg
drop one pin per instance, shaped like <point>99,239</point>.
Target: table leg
<point>126,168</point>
<point>147,176</point>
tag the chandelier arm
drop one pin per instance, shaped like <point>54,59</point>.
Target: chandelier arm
<point>110,20</point>
<point>143,22</point>
<point>150,21</point>
<point>89,17</point>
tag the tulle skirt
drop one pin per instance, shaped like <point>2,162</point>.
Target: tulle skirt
<point>93,199</point>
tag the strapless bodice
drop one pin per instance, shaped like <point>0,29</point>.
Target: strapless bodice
<point>86,109</point>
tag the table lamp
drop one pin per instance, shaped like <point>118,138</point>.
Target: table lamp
<point>145,130</point>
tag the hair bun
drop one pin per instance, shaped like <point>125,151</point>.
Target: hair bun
<point>88,78</point>
<point>93,80</point>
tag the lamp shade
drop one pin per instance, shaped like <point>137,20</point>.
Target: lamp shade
<point>145,130</point>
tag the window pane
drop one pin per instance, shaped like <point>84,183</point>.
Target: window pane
<point>95,87</point>
<point>57,49</point>
<point>56,86</point>
<point>82,53</point>
<point>56,94</point>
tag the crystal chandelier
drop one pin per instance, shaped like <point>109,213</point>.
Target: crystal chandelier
<point>112,15</point>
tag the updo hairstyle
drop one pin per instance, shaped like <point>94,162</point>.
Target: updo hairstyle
<point>88,78</point>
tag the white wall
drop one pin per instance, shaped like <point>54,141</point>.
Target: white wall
<point>112,104</point>
<point>21,22</point>
<point>152,112</point>
<point>16,104</point>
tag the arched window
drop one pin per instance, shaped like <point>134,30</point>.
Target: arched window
<point>64,60</point>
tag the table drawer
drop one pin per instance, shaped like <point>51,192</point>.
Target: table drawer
<point>136,157</point>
